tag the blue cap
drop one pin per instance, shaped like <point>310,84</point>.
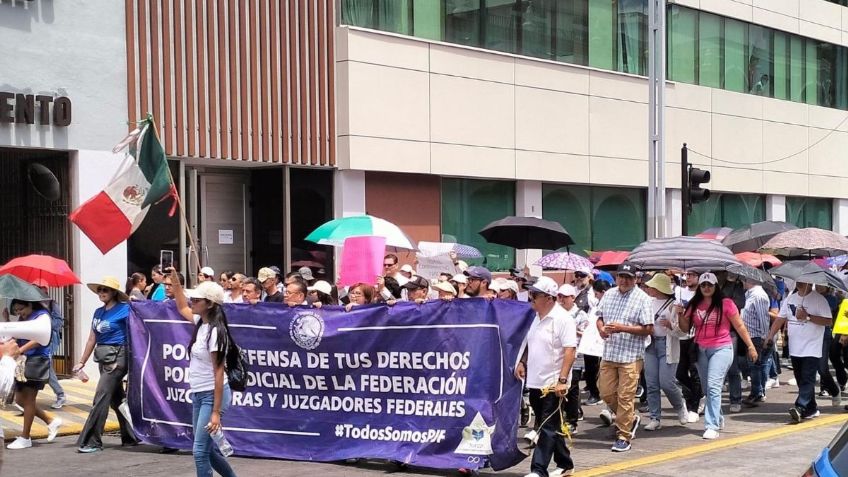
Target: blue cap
<point>481,273</point>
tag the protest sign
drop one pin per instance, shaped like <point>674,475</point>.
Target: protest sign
<point>362,260</point>
<point>591,343</point>
<point>431,267</point>
<point>431,385</point>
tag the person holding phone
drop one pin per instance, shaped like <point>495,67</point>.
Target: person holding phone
<point>711,314</point>
<point>806,313</point>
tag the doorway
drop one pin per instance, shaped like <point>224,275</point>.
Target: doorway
<point>225,218</point>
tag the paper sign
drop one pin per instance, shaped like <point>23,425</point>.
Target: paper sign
<point>362,260</point>
<point>225,237</point>
<point>591,343</point>
<point>431,267</point>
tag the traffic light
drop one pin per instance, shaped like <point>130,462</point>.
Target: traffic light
<point>696,192</point>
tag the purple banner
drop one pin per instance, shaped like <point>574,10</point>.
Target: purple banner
<point>429,385</point>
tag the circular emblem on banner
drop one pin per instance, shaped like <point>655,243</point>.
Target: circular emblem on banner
<point>306,330</point>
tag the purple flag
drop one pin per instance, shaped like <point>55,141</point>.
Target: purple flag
<point>430,385</point>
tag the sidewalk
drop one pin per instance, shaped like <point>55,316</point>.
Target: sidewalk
<point>79,397</point>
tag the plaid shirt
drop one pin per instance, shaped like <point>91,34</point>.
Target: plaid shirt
<point>755,315</point>
<point>630,308</point>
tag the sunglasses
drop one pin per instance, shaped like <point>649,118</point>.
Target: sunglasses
<point>707,285</point>
<point>387,265</point>
<point>103,290</point>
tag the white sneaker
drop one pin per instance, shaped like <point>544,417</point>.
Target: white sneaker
<point>560,472</point>
<point>20,443</point>
<point>653,425</point>
<point>792,382</point>
<point>701,407</point>
<point>745,384</point>
<point>735,408</point>
<point>531,436</point>
<point>532,474</point>
<point>710,434</point>
<point>53,428</point>
<point>683,415</point>
<point>693,417</point>
<point>770,383</point>
<point>607,417</point>
<point>776,383</point>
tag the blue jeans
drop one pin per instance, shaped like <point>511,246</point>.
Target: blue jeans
<point>805,370</point>
<point>737,366</point>
<point>53,381</point>
<point>659,375</point>
<point>759,369</point>
<point>713,364</point>
<point>206,453</point>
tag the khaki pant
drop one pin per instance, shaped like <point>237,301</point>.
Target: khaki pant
<point>617,383</point>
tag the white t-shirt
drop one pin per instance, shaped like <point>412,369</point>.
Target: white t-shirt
<point>683,294</point>
<point>229,299</point>
<point>661,307</point>
<point>201,370</point>
<point>805,337</point>
<point>545,342</point>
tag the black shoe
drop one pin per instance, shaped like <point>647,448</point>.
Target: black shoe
<point>579,414</point>
<point>633,427</point>
<point>795,414</point>
<point>592,401</point>
<point>640,391</point>
<point>168,450</point>
<point>753,401</point>
<point>525,417</point>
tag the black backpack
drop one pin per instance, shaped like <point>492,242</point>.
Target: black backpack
<point>236,362</point>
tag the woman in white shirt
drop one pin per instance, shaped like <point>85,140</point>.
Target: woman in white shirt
<point>210,391</point>
<point>663,354</point>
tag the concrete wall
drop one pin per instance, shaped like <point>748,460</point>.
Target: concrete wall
<point>408,105</point>
<point>74,49</point>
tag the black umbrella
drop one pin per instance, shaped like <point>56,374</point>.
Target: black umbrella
<point>809,272</point>
<point>527,232</point>
<point>754,236</point>
<point>757,275</point>
<point>687,253</point>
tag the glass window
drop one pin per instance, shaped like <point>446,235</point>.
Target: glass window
<point>502,18</point>
<point>809,212</point>
<point>571,32</point>
<point>633,35</point>
<point>726,210</point>
<point>538,23</point>
<point>601,35</point>
<point>427,19</point>
<point>759,60</point>
<point>735,64</point>
<point>468,205</point>
<point>598,218</point>
<point>796,69</point>
<point>811,71</point>
<point>462,22</point>
<point>709,49</point>
<point>386,15</point>
<point>781,65</point>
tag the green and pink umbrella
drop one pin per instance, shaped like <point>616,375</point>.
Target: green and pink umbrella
<point>336,231</point>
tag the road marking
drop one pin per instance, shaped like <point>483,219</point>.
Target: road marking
<point>712,446</point>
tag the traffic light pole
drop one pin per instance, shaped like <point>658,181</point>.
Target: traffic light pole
<point>684,189</point>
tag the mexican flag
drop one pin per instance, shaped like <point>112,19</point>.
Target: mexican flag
<point>111,216</point>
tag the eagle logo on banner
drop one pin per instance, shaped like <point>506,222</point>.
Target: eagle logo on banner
<point>306,330</point>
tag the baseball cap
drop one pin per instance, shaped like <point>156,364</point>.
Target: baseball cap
<point>509,285</point>
<point>306,273</point>
<point>416,283</point>
<point>545,285</point>
<point>322,287</point>
<point>481,273</point>
<point>445,287</point>
<point>207,290</point>
<point>264,274</point>
<point>276,270</point>
<point>207,271</point>
<point>407,268</point>
<point>567,290</point>
<point>628,268</point>
<point>707,277</point>
<point>459,278</point>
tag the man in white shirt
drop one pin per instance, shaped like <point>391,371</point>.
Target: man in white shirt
<point>551,346</point>
<point>807,314</point>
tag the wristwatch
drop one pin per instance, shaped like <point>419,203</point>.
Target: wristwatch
<point>563,380</point>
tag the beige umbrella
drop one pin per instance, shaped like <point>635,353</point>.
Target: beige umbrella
<point>809,242</point>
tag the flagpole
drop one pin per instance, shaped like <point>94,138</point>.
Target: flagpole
<point>179,205</point>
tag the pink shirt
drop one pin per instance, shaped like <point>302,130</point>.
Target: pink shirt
<point>708,332</point>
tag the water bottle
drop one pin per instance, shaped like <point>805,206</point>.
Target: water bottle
<point>222,442</point>
<point>81,375</point>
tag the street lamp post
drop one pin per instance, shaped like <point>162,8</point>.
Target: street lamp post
<point>657,226</point>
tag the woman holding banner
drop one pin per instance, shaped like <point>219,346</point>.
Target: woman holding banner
<point>210,391</point>
<point>108,341</point>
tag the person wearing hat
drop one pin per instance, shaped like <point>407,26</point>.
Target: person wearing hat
<point>505,289</point>
<point>210,390</point>
<point>206,274</point>
<point>37,374</point>
<point>460,281</point>
<point>407,271</point>
<point>268,279</point>
<point>446,291</point>
<point>479,279</point>
<point>687,369</point>
<point>107,340</point>
<point>567,299</point>
<point>663,354</point>
<point>417,289</point>
<point>712,315</point>
<point>549,352</point>
<point>624,320</point>
<point>306,274</point>
<point>321,294</point>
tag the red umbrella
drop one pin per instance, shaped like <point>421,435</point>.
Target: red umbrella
<point>608,258</point>
<point>47,270</point>
<point>756,260</point>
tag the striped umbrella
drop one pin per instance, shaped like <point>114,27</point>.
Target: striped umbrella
<point>565,261</point>
<point>687,253</point>
<point>336,231</point>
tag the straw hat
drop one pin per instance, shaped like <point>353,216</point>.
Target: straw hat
<point>109,282</point>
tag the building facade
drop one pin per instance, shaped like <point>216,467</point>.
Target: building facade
<point>540,108</point>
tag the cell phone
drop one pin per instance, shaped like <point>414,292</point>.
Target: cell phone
<point>793,308</point>
<point>166,260</point>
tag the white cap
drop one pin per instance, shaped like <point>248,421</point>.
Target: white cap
<point>545,285</point>
<point>460,278</point>
<point>497,284</point>
<point>207,290</point>
<point>321,286</point>
<point>509,285</point>
<point>445,287</point>
<point>567,290</point>
<point>708,277</point>
<point>207,271</point>
<point>407,268</point>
